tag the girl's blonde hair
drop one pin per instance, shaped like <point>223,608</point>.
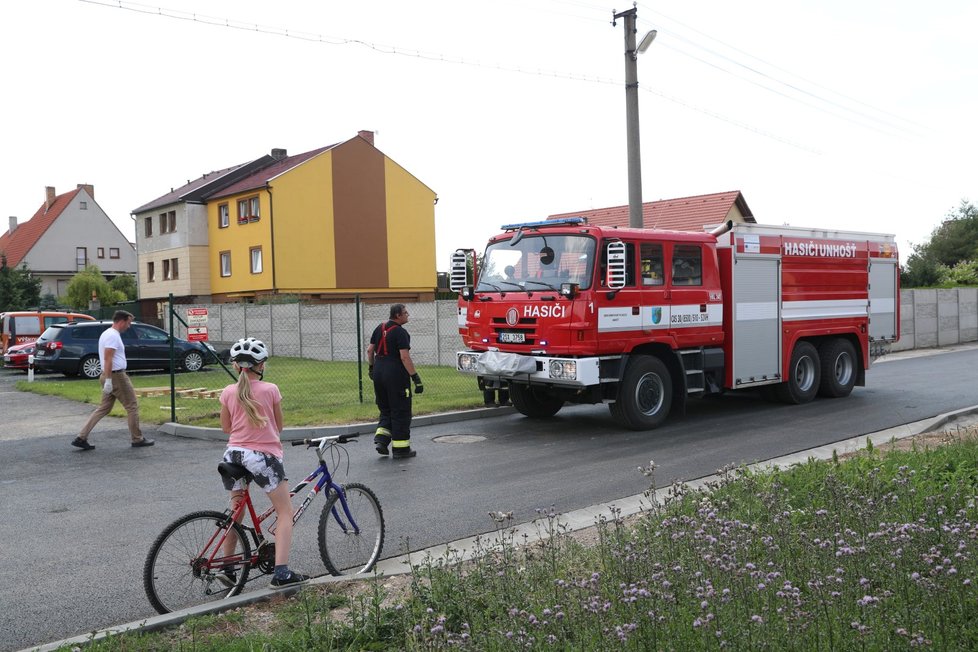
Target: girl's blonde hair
<point>252,409</point>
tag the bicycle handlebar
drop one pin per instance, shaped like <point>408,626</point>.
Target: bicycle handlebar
<point>339,439</point>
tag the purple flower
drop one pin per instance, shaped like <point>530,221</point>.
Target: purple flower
<point>757,619</point>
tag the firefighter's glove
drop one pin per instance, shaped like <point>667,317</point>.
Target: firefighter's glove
<point>418,387</point>
<point>370,372</point>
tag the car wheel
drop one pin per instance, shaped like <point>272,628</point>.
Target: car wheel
<point>193,361</point>
<point>90,367</point>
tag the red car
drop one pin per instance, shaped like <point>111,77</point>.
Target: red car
<point>16,356</point>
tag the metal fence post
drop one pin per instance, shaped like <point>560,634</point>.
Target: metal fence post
<point>359,349</point>
<point>173,370</point>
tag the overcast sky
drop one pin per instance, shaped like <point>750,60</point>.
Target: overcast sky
<point>856,115</point>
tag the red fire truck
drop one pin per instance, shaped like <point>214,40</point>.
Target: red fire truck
<point>563,312</point>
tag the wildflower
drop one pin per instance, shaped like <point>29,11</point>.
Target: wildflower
<point>757,619</point>
<point>437,629</point>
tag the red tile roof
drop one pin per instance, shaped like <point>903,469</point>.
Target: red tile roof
<point>260,178</point>
<point>682,214</point>
<point>18,244</point>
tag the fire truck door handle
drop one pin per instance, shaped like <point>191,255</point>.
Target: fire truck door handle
<point>702,307</point>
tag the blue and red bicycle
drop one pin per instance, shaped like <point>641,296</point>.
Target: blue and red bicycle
<point>209,555</point>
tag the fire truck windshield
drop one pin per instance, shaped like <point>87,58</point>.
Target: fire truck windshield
<point>537,261</point>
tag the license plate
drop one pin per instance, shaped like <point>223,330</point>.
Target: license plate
<point>512,338</point>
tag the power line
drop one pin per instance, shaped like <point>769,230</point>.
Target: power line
<point>428,56</point>
<point>776,67</point>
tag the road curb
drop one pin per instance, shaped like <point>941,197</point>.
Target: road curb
<point>469,547</point>
<point>303,432</point>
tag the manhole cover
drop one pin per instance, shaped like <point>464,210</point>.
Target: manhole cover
<point>458,439</point>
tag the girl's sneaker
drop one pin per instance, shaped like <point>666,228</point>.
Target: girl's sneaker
<point>292,578</point>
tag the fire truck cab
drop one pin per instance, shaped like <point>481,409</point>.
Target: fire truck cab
<point>562,312</point>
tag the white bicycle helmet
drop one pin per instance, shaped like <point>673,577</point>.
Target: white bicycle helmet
<point>248,352</point>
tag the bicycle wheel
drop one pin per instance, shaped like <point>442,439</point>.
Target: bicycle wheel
<point>344,551</point>
<point>180,572</point>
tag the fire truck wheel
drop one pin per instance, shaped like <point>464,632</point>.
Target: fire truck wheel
<point>803,375</point>
<point>534,402</point>
<point>838,367</point>
<point>644,395</point>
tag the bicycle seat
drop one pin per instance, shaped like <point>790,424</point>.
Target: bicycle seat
<point>234,471</point>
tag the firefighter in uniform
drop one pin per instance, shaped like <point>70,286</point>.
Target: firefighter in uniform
<point>392,370</point>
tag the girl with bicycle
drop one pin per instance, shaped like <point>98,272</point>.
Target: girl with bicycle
<point>251,414</point>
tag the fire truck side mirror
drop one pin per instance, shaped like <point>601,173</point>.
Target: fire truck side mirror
<point>463,264</point>
<point>615,272</point>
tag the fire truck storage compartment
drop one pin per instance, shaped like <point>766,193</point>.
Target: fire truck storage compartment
<point>757,320</point>
<point>882,299</point>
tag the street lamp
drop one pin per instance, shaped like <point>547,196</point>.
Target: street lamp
<point>631,113</point>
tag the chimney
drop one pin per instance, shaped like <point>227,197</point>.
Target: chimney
<point>279,154</point>
<point>13,223</point>
<point>367,136</point>
<point>89,188</point>
<point>49,197</point>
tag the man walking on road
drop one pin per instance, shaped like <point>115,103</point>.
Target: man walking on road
<point>115,383</point>
<point>392,370</point>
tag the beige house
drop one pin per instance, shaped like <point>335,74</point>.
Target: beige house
<point>172,238</point>
<point>67,233</point>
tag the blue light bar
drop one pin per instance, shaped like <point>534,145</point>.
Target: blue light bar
<point>566,221</point>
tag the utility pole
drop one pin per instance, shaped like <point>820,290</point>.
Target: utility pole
<point>631,117</point>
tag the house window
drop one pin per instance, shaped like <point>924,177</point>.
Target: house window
<point>101,252</point>
<point>168,222</point>
<point>81,257</point>
<point>225,263</point>
<point>83,205</point>
<point>171,271</point>
<point>224,216</point>
<point>113,252</point>
<point>148,224</point>
<point>256,260</point>
<point>248,210</point>
<point>150,272</point>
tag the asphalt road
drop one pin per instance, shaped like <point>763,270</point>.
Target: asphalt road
<point>76,526</point>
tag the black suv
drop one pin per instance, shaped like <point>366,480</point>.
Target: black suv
<point>72,349</point>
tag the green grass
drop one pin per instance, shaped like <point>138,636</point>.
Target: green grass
<point>313,393</point>
<point>875,553</point>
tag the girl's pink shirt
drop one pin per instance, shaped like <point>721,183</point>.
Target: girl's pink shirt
<point>244,433</point>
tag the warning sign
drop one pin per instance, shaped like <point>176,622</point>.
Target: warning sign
<point>197,333</point>
<point>196,316</point>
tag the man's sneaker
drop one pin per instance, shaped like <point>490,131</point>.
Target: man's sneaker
<point>143,442</point>
<point>293,578</point>
<point>403,453</point>
<point>82,444</point>
<point>381,447</point>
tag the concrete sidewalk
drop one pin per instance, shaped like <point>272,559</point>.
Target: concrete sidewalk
<point>573,521</point>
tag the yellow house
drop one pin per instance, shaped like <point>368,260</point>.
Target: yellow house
<point>324,225</point>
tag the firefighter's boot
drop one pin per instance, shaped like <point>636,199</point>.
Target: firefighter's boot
<point>382,439</point>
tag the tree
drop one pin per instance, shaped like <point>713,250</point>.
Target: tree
<point>86,282</point>
<point>19,288</point>
<point>954,242</point>
<point>125,283</point>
